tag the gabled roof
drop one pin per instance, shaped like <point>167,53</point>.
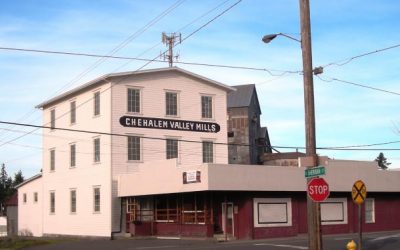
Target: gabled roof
<point>29,180</point>
<point>106,77</point>
<point>242,96</point>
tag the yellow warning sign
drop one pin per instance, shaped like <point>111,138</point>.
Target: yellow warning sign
<point>359,192</point>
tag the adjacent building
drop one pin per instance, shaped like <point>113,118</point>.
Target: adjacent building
<point>146,153</point>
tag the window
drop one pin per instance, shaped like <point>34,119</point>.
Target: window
<point>370,210</point>
<point>52,202</point>
<point>206,107</point>
<point>172,148</point>
<point>334,211</point>
<point>134,100</point>
<point>35,197</point>
<point>52,118</point>
<point>208,152</point>
<point>73,112</point>
<point>171,103</point>
<point>272,212</point>
<point>72,149</point>
<point>133,148</point>
<point>96,199</point>
<point>96,98</point>
<point>73,201</point>
<point>24,197</point>
<point>52,159</point>
<point>96,149</point>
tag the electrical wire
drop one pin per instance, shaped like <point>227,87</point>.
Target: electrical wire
<point>358,85</point>
<point>348,60</point>
<point>111,85</point>
<point>350,147</point>
<point>109,54</point>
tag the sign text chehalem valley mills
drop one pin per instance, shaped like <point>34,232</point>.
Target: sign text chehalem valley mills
<point>158,123</point>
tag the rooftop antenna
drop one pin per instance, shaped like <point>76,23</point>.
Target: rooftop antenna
<point>169,41</point>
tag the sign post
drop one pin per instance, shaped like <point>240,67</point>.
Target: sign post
<point>359,194</point>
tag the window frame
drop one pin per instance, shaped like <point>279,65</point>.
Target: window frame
<point>72,155</point>
<point>96,207</point>
<point>96,150</point>
<point>168,151</point>
<point>96,103</point>
<point>35,197</point>
<point>259,202</point>
<point>131,104</point>
<point>52,118</point>
<point>131,151</point>
<point>52,206</point>
<point>72,201</point>
<point>205,158</point>
<point>52,159</point>
<point>207,114</point>
<point>72,107</point>
<point>169,106</point>
<point>373,218</point>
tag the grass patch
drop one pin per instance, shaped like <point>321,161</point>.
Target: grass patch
<point>16,243</point>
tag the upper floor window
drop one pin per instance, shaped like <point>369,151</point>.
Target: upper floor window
<point>52,159</point>
<point>72,160</point>
<point>96,149</point>
<point>208,152</point>
<point>35,197</point>
<point>172,148</point>
<point>206,107</point>
<point>96,107</point>
<point>52,118</point>
<point>171,103</point>
<point>134,100</point>
<point>96,199</point>
<point>52,202</point>
<point>133,148</point>
<point>72,112</point>
<point>24,197</point>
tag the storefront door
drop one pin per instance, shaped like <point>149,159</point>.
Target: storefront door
<point>227,218</point>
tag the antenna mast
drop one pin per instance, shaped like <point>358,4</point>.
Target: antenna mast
<point>169,41</point>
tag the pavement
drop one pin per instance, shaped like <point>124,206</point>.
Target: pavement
<point>371,241</point>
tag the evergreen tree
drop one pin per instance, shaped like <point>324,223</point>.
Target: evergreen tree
<point>3,188</point>
<point>18,178</point>
<point>382,161</point>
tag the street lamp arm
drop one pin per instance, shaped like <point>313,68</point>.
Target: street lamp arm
<point>268,38</point>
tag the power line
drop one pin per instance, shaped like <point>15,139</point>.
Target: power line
<point>348,60</point>
<point>351,147</point>
<point>358,85</point>
<point>111,85</point>
<point>151,60</point>
<point>112,52</point>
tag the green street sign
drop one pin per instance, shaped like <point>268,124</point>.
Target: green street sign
<point>312,172</point>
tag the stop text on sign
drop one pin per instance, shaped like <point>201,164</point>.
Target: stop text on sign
<point>318,189</point>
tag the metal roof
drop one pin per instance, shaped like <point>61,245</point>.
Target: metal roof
<point>103,78</point>
<point>242,96</point>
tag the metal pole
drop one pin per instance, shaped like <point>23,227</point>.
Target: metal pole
<point>313,208</point>
<point>359,228</point>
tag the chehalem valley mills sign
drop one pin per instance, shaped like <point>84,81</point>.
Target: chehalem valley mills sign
<point>158,123</point>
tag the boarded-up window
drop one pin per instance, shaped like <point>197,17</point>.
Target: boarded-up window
<point>272,212</point>
<point>370,210</point>
<point>334,211</point>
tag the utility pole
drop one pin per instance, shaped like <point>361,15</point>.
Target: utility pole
<point>313,208</point>
<point>169,41</point>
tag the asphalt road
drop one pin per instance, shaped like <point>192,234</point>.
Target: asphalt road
<point>372,241</point>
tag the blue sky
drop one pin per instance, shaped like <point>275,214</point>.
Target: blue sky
<point>345,114</point>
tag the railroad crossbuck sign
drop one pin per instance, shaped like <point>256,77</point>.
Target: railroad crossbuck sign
<point>318,189</point>
<point>359,192</point>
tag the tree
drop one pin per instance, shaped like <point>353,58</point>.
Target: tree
<point>382,161</point>
<point>18,178</point>
<point>7,186</point>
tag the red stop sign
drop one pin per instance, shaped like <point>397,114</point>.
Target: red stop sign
<point>318,189</point>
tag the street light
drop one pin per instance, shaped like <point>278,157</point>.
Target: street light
<point>268,38</point>
<point>313,209</point>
